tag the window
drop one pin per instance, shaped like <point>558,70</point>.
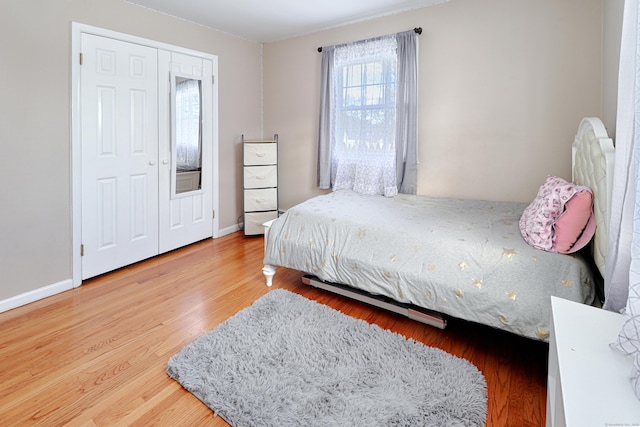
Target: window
<point>365,105</point>
<point>362,148</point>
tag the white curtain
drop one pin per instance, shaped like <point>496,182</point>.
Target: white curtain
<point>372,148</point>
<point>622,282</point>
<point>364,143</point>
<point>188,146</point>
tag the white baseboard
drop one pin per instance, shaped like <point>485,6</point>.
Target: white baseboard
<point>228,230</point>
<point>35,295</point>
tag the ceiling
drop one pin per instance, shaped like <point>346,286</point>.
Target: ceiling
<point>272,20</point>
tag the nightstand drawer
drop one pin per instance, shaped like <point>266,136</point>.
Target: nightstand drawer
<point>253,221</point>
<point>260,154</point>
<point>260,176</point>
<point>261,200</point>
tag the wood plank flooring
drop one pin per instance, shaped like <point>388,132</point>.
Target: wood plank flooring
<point>96,355</point>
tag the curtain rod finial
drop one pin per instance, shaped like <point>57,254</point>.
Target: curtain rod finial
<point>320,49</point>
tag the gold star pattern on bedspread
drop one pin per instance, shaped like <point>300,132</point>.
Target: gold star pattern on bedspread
<point>463,258</point>
<point>509,253</point>
<point>542,333</point>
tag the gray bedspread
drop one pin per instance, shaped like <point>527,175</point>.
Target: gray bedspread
<point>463,258</point>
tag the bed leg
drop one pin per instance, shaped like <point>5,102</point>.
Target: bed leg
<point>269,271</point>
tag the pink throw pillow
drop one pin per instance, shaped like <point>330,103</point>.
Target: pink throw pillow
<point>571,224</point>
<point>538,223</point>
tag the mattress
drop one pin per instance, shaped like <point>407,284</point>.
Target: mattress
<point>463,258</point>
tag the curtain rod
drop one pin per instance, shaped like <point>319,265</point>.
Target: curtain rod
<point>417,30</point>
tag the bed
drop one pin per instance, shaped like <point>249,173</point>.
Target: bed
<point>434,258</point>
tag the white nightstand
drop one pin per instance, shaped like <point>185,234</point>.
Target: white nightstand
<point>588,382</point>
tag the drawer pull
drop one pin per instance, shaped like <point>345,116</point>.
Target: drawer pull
<point>259,176</point>
<point>261,154</point>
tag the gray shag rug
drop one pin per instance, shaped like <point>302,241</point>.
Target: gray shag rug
<point>290,361</point>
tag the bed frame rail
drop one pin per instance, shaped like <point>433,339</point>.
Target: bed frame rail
<point>429,317</point>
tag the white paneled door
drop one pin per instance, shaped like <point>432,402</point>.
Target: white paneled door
<point>119,132</point>
<point>144,149</point>
<point>186,217</point>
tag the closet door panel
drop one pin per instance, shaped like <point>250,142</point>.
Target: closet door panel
<point>119,133</point>
<point>185,217</point>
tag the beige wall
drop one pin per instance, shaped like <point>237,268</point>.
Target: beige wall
<point>503,85</point>
<point>613,11</point>
<point>35,168</point>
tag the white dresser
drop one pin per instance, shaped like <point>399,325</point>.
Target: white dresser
<point>259,183</point>
<point>588,382</point>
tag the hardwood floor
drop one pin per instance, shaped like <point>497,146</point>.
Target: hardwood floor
<point>96,355</point>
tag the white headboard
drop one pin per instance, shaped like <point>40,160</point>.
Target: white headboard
<point>593,163</point>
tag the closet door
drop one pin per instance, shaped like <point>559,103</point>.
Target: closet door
<point>119,133</point>
<point>186,188</point>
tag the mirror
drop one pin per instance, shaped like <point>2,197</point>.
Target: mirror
<point>186,134</point>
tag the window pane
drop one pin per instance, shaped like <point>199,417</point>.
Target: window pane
<point>374,95</point>
<point>352,96</point>
<point>374,73</point>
